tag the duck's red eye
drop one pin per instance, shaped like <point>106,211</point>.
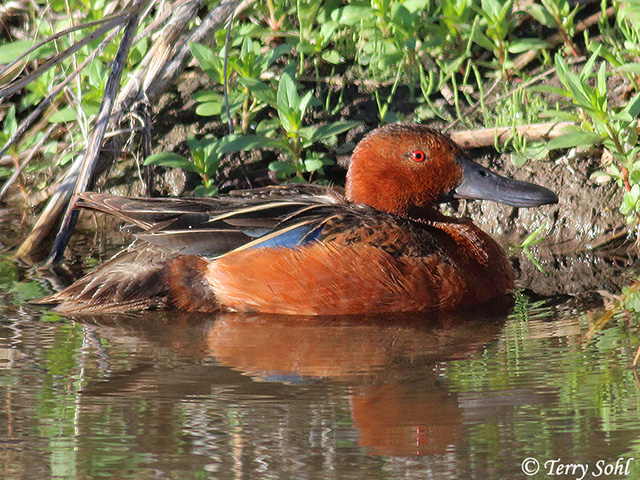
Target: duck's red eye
<point>418,156</point>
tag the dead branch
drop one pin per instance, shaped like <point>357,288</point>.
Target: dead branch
<point>97,136</point>
<point>27,122</point>
<point>157,71</point>
<point>15,86</point>
<point>112,21</point>
<point>32,153</point>
<point>525,58</point>
<point>486,137</point>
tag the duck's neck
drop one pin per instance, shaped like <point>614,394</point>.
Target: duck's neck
<point>362,187</point>
<point>428,215</point>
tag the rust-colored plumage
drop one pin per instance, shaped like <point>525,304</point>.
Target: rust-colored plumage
<point>309,250</point>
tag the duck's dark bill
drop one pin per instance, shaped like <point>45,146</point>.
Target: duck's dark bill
<point>482,184</point>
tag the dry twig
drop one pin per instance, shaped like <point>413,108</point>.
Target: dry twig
<point>163,62</point>
<point>90,159</point>
<point>525,58</point>
<point>486,137</point>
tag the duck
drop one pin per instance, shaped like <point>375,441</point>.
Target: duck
<point>379,246</point>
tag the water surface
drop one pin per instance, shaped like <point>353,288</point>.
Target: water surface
<point>176,396</point>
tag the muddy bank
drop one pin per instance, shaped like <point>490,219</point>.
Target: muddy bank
<point>584,245</point>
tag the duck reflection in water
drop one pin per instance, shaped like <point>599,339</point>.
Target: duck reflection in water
<point>399,403</point>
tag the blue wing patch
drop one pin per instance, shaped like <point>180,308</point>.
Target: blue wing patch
<point>290,238</point>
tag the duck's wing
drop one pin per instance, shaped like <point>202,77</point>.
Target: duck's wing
<point>287,216</point>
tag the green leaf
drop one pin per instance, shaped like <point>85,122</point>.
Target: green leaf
<point>139,50</point>
<point>575,139</point>
<point>352,14</point>
<point>205,56</point>
<point>622,116</point>
<point>207,150</point>
<point>330,129</point>
<point>287,96</point>
<point>561,67</point>
<point>283,168</point>
<point>578,90</point>
<point>629,68</point>
<point>401,17</point>
<point>206,96</point>
<point>68,114</point>
<point>241,143</point>
<point>605,53</point>
<point>548,89</point>
<point>602,80</point>
<point>484,41</point>
<point>304,46</point>
<point>260,90</point>
<point>209,109</point>
<point>534,237</point>
<point>274,54</point>
<point>305,133</point>
<point>417,5</point>
<point>268,126</point>
<point>97,75</point>
<point>204,191</point>
<point>633,107</point>
<point>331,56</point>
<point>526,44</point>
<point>630,200</point>
<point>289,120</point>
<point>542,15</point>
<point>11,51</point>
<point>313,164</point>
<point>173,160</point>
<point>304,103</point>
<point>211,165</point>
<point>10,124</point>
<point>588,66</point>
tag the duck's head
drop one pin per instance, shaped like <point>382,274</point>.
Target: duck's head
<point>399,167</point>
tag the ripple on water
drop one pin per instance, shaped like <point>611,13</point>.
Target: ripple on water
<point>422,396</point>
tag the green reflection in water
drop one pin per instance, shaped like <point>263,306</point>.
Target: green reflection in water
<point>92,401</point>
<point>14,288</point>
<point>558,391</point>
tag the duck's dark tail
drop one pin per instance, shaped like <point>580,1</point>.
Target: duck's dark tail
<point>141,279</point>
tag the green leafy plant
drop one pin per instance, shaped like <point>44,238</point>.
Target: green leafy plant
<point>558,14</point>
<point>290,64</point>
<point>293,137</point>
<point>533,239</point>
<point>204,160</point>
<point>500,21</point>
<point>64,44</point>
<point>250,95</point>
<point>285,132</point>
<point>598,123</point>
<point>386,32</point>
<point>316,32</point>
